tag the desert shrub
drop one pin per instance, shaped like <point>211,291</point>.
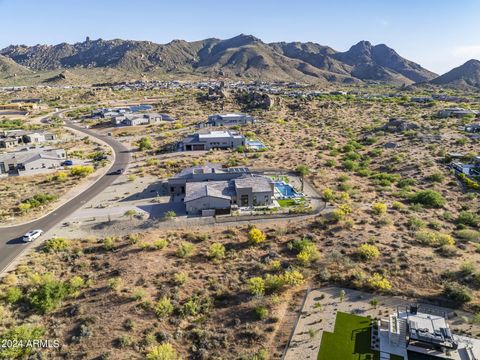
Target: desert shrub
<point>170,215</point>
<point>56,244</point>
<point>433,238</point>
<point>163,351</point>
<point>256,286</point>
<point>159,244</point>
<point>385,179</point>
<point>133,238</point>
<point>145,143</point>
<point>428,198</point>
<point>261,312</point>
<point>415,224</point>
<point>109,243</point>
<point>115,283</point>
<point>293,277</point>
<point>274,282</point>
<point>46,293</point>
<point>458,293</point>
<point>36,201</point>
<point>216,251</point>
<point>328,194</point>
<point>341,212</point>
<point>436,177</point>
<point>22,334</point>
<point>81,170</point>
<point>467,218</point>
<point>256,236</point>
<point>12,295</point>
<point>379,208</point>
<point>468,235</point>
<point>275,265</point>
<point>185,250</point>
<point>368,251</point>
<point>163,307</point>
<point>379,282</point>
<point>306,250</point>
<point>397,205</point>
<point>196,305</point>
<point>181,278</point>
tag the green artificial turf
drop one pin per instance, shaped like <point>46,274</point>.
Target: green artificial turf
<point>350,340</point>
<point>289,202</point>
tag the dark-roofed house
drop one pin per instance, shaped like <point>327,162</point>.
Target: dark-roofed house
<point>209,195</point>
<point>213,189</point>
<point>253,190</point>
<point>31,161</point>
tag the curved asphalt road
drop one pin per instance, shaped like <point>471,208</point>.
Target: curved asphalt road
<point>11,244</point>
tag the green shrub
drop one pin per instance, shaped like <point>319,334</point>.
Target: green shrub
<point>185,250</point>
<point>109,243</point>
<point>22,334</point>
<point>56,244</point>
<point>379,282</point>
<point>457,293</point>
<point>12,295</point>
<point>216,251</point>
<point>428,198</point>
<point>163,307</point>
<point>467,218</point>
<point>468,235</point>
<point>170,215</point>
<point>434,239</point>
<point>256,286</point>
<point>306,251</point>
<point>81,170</point>
<point>368,251</point>
<point>47,293</point>
<point>379,208</point>
<point>261,312</point>
<point>163,351</point>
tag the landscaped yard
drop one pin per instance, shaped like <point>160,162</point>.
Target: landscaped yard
<point>350,340</point>
<point>290,202</point>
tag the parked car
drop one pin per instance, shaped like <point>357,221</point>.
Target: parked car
<point>32,235</point>
<point>67,163</point>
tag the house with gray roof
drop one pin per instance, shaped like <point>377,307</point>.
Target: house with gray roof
<point>212,140</point>
<point>230,119</point>
<point>31,161</point>
<point>214,189</point>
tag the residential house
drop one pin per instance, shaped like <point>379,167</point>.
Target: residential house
<point>230,119</point>
<point>212,140</point>
<point>420,332</point>
<point>12,138</point>
<point>213,190</point>
<point>31,161</point>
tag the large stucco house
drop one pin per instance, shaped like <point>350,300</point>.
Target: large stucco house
<point>216,190</point>
<point>212,140</point>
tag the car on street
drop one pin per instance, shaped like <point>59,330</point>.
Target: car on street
<point>67,163</point>
<point>117,172</point>
<point>32,235</point>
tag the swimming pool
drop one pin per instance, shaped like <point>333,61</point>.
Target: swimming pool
<point>286,190</point>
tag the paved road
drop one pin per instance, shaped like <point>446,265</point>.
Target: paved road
<point>11,244</point>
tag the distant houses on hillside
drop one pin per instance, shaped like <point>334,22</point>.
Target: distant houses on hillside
<point>13,138</point>
<point>231,119</point>
<point>131,116</point>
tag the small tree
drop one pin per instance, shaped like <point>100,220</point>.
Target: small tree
<point>145,143</point>
<point>130,213</point>
<point>302,170</point>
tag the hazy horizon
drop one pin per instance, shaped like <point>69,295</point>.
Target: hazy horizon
<point>435,34</point>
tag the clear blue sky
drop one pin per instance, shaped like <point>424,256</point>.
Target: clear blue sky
<point>438,34</point>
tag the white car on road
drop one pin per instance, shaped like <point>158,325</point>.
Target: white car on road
<point>32,235</point>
